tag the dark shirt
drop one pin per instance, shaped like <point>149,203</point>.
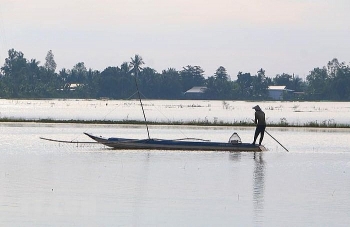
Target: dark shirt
<point>260,118</point>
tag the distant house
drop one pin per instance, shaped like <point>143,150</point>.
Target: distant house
<point>70,87</point>
<point>195,92</point>
<point>276,92</point>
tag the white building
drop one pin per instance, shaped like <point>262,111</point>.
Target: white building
<point>196,92</point>
<point>276,92</point>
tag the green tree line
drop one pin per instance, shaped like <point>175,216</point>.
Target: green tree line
<point>23,78</point>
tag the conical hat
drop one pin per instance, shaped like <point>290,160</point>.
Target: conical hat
<point>257,107</point>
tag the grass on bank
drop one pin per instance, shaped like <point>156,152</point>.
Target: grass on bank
<point>282,123</point>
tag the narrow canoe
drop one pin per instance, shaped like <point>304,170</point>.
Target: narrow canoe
<point>162,144</point>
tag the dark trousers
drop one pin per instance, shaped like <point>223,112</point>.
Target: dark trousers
<point>260,129</point>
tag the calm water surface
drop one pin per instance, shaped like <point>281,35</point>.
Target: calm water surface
<point>55,184</point>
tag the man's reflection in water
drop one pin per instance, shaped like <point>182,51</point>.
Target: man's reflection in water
<point>258,186</point>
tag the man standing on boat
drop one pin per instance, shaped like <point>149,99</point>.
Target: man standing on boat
<point>260,124</point>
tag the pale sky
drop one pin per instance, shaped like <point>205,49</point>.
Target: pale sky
<point>280,36</point>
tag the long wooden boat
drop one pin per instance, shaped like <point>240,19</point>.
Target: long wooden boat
<point>163,144</point>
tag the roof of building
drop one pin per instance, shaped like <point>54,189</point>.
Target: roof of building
<point>197,90</point>
<point>277,87</point>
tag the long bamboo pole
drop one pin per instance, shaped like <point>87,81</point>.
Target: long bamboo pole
<point>276,140</point>
<point>143,111</point>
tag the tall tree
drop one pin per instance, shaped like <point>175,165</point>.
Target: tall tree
<point>135,68</point>
<point>219,85</point>
<point>333,67</point>
<point>78,73</point>
<point>136,64</point>
<point>339,78</point>
<point>221,74</point>
<point>14,62</point>
<point>318,83</point>
<point>170,86</point>
<point>244,80</point>
<point>260,85</point>
<point>34,79</point>
<point>14,70</point>
<point>50,63</point>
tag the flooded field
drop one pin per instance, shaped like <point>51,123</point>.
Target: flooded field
<point>176,110</point>
<point>56,184</point>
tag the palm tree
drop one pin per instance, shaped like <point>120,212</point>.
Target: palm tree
<point>135,64</point>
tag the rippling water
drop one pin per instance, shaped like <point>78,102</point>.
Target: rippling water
<point>55,184</point>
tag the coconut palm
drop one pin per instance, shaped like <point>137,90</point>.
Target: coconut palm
<point>135,64</point>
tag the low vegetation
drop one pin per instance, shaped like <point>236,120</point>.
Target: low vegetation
<point>323,124</point>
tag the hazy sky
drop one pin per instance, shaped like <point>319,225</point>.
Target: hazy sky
<point>280,36</point>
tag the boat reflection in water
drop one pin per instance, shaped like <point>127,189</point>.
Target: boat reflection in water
<point>258,187</point>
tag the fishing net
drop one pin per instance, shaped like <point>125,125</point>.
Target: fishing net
<point>235,139</point>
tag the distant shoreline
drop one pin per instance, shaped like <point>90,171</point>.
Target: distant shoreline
<point>323,124</point>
